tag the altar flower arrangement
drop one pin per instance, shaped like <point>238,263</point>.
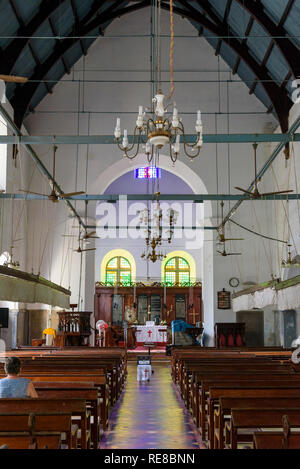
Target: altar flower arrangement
<point>163,323</point>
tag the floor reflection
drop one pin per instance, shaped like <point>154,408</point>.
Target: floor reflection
<point>151,416</point>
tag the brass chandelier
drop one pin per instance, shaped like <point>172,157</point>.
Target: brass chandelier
<point>154,230</point>
<point>158,130</point>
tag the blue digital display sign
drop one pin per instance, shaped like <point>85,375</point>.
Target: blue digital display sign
<point>148,172</point>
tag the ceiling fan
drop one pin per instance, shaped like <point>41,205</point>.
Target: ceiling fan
<point>221,232</point>
<point>79,249</point>
<point>256,194</point>
<point>54,197</point>
<point>86,237</point>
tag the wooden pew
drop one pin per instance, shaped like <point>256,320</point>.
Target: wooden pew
<point>52,407</point>
<point>48,428</point>
<point>249,389</point>
<point>227,382</point>
<point>286,399</point>
<point>81,390</point>
<point>277,440</point>
<point>17,440</point>
<point>267,418</point>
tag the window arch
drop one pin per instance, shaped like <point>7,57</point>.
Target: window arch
<point>118,270</point>
<point>187,264</point>
<point>177,271</point>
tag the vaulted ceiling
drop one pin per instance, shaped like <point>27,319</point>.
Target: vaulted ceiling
<point>258,39</point>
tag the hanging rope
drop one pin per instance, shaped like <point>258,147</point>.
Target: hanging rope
<point>171,50</point>
<point>255,233</point>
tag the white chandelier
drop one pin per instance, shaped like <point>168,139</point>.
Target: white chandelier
<point>159,130</point>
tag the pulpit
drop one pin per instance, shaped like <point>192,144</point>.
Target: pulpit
<point>73,328</point>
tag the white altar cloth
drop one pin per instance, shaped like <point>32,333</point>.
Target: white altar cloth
<point>156,334</point>
<point>144,372</point>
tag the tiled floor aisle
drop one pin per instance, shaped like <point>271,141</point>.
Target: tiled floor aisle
<point>150,415</point>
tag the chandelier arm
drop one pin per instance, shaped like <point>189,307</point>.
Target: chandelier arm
<point>185,143</point>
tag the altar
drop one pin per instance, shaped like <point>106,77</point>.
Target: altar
<point>151,334</point>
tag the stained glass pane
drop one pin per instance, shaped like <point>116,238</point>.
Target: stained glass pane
<point>113,263</point>
<point>171,263</point>
<point>111,277</point>
<point>124,263</point>
<point>170,278</point>
<point>184,277</point>
<point>182,263</point>
<point>125,277</point>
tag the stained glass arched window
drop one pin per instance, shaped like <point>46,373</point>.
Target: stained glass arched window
<point>118,270</point>
<point>177,271</point>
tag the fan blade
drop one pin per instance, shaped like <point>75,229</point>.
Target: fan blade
<point>233,239</point>
<point>243,190</point>
<point>36,193</point>
<point>233,253</point>
<point>89,235</point>
<point>13,78</point>
<point>275,193</point>
<point>70,194</point>
<point>90,249</point>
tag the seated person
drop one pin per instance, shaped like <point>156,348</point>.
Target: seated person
<point>13,385</point>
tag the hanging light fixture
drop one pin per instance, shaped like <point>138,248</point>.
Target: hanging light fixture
<point>289,262</point>
<point>159,130</point>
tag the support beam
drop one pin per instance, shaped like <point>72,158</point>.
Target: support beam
<point>110,139</point>
<point>196,198</point>
<point>37,161</point>
<point>275,153</point>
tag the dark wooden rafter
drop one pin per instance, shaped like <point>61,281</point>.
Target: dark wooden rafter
<point>76,26</point>
<point>278,97</point>
<point>31,48</point>
<point>63,59</point>
<point>278,34</point>
<point>224,21</point>
<point>16,47</point>
<point>23,96</point>
<point>247,32</point>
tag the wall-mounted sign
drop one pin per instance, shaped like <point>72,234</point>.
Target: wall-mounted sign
<point>224,299</point>
<point>148,172</point>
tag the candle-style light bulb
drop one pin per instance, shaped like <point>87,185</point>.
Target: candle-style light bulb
<point>198,125</point>
<point>140,118</point>
<point>118,129</point>
<point>177,144</point>
<point>125,139</point>
<point>175,121</point>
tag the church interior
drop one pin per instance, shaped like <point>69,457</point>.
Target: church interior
<point>150,224</point>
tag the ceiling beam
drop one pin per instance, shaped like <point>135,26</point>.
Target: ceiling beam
<point>277,96</point>
<point>76,26</point>
<point>17,46</point>
<point>63,59</point>
<point>265,167</point>
<point>38,162</point>
<point>276,32</point>
<point>23,96</point>
<point>180,197</point>
<point>110,139</point>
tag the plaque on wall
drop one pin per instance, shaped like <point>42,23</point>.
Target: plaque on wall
<point>224,299</point>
